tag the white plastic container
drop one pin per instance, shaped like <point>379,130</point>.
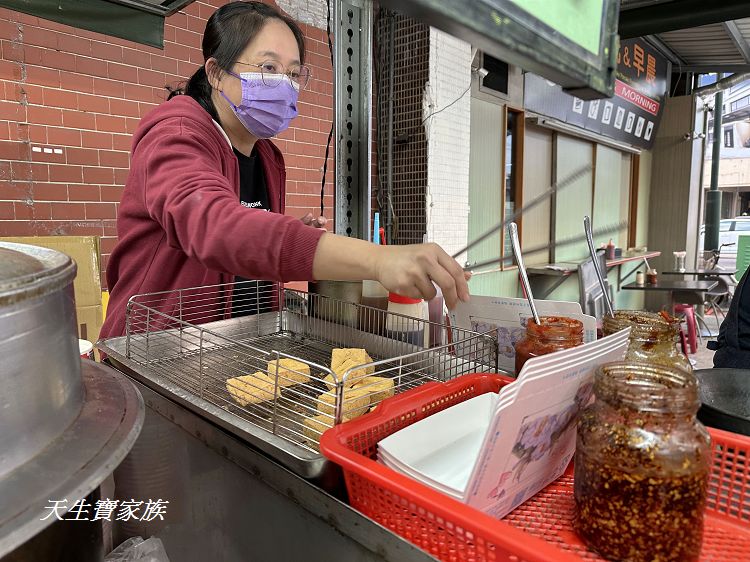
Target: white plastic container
<point>415,329</point>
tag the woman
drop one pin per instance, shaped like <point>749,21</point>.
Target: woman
<point>204,176</point>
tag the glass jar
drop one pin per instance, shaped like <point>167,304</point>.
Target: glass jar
<point>641,465</point>
<point>653,337</point>
<point>552,334</point>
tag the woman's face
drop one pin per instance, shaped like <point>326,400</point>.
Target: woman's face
<point>275,43</point>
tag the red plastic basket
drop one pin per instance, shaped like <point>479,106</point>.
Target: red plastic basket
<point>538,531</point>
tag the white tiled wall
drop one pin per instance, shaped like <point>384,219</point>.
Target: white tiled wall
<point>448,140</point>
<point>311,12</point>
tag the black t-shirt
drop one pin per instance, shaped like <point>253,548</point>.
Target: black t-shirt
<point>251,298</point>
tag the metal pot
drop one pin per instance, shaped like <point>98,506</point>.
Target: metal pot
<point>336,301</point>
<point>725,398</point>
<point>64,424</point>
<point>42,392</point>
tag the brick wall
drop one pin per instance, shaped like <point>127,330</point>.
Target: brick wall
<point>70,100</point>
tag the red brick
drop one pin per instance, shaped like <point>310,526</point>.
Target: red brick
<point>12,111</point>
<point>63,137</point>
<point>43,76</point>
<point>98,175</point>
<point>136,58</point>
<point>35,211</point>
<point>164,64</point>
<point>90,66</point>
<point>125,108</point>
<point>44,158</point>
<point>60,61</point>
<point>186,69</point>
<point>21,171</point>
<point>94,104</point>
<point>101,211</point>
<point>122,72</point>
<point>145,108</point>
<point>77,82</point>
<point>295,174</point>
<point>196,25</point>
<point>68,211</point>
<point>178,20</point>
<point>65,173</point>
<point>109,88</point>
<point>301,135</point>
<point>137,92</point>
<point>60,98</point>
<point>107,51</point>
<point>5,131</point>
<point>82,156</point>
<point>7,210</point>
<point>74,44</point>
<point>205,11</point>
<point>8,28</point>
<point>132,124</point>
<point>107,244</point>
<point>169,33</point>
<point>185,37</point>
<point>151,78</point>
<point>177,52</point>
<point>111,193</point>
<point>50,191</point>
<point>87,228</point>
<point>122,142</point>
<point>16,228</point>
<point>39,37</point>
<point>39,171</point>
<point>29,93</point>
<point>109,227</point>
<point>121,176</point>
<point>114,159</point>
<point>17,191</point>
<point>79,120</point>
<point>6,174</point>
<point>82,192</point>
<point>111,124</point>
<point>10,71</point>
<point>95,139</point>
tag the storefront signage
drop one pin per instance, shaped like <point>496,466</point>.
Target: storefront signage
<point>632,115</point>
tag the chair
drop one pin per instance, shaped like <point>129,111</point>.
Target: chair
<point>591,295</point>
<point>689,311</point>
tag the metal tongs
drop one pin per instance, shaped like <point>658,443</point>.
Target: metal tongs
<point>595,260</point>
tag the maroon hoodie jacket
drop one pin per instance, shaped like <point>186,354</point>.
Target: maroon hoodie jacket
<point>180,223</point>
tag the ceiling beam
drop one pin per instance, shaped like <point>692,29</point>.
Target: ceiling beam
<point>679,14</point>
<point>713,68</point>
<point>665,50</point>
<point>738,40</point>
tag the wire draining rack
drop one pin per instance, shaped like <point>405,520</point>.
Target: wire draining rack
<point>190,342</point>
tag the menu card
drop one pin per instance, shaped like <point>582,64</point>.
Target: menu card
<point>495,451</point>
<point>506,318</point>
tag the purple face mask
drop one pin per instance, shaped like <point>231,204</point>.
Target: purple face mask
<point>265,111</point>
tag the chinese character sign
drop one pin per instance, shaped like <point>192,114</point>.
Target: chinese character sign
<point>632,115</point>
<point>106,509</point>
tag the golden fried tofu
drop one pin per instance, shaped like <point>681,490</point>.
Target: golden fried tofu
<point>378,388</point>
<point>349,358</point>
<point>291,371</point>
<point>313,428</point>
<point>252,389</point>
<point>356,402</point>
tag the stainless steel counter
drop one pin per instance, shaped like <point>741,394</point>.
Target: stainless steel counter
<point>230,503</point>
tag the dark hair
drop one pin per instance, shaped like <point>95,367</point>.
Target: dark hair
<point>229,30</point>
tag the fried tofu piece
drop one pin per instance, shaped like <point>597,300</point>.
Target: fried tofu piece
<point>378,388</point>
<point>356,402</point>
<point>313,428</point>
<point>344,359</point>
<point>252,389</point>
<point>291,371</point>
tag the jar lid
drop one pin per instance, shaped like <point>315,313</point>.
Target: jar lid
<point>27,271</point>
<point>400,299</point>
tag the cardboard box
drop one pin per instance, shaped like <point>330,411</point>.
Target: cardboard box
<point>85,251</point>
<point>89,322</point>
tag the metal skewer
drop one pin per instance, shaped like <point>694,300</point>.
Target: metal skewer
<point>513,234</point>
<point>554,188</point>
<point>595,260</point>
<point>545,247</point>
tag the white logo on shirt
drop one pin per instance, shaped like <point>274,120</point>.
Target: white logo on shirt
<point>253,205</point>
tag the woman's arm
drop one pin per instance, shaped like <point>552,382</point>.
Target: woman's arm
<point>407,270</point>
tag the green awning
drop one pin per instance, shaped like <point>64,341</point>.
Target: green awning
<point>127,22</point>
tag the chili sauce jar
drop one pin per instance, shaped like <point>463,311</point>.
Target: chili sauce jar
<point>553,333</point>
<point>642,463</point>
<point>653,337</point>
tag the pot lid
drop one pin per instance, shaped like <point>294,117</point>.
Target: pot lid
<point>27,271</point>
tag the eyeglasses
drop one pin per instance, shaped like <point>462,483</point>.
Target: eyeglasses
<point>273,73</point>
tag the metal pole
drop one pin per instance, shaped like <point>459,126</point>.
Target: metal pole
<point>389,172</point>
<point>713,197</point>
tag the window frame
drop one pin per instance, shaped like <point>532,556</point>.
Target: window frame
<point>517,171</point>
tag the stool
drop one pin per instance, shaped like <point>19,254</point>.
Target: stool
<point>689,311</point>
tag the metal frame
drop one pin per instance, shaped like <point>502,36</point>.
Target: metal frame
<point>501,29</point>
<point>352,28</point>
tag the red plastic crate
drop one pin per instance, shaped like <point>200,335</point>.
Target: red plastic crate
<point>541,529</point>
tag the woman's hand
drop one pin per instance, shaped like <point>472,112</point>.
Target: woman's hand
<point>411,271</point>
<point>406,270</point>
<point>319,222</point>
